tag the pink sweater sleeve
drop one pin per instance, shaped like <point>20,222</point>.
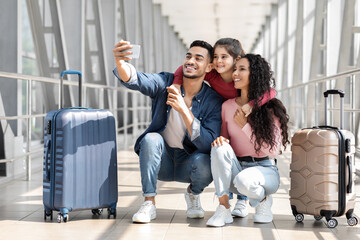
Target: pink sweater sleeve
<point>267,97</point>
<point>265,150</point>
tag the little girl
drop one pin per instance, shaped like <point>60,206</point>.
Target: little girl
<point>226,52</point>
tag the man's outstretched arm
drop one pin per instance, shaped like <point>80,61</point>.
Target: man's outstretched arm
<point>123,69</point>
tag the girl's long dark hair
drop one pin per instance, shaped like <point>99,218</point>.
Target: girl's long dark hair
<point>232,45</point>
<point>261,118</point>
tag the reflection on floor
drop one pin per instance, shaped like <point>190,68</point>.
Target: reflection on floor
<point>21,214</point>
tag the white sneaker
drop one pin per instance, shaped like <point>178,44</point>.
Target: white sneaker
<point>194,209</point>
<point>263,212</point>
<point>221,217</point>
<point>240,209</point>
<point>146,213</point>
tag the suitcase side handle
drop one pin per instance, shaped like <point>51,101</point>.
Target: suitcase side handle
<point>47,170</point>
<point>66,72</point>
<point>325,126</point>
<point>341,94</point>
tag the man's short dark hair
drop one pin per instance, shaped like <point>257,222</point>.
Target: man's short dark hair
<point>203,44</point>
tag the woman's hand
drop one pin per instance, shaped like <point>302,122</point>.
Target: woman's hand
<point>219,141</point>
<point>239,118</point>
<point>246,108</point>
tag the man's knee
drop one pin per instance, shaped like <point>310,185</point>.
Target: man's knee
<point>152,143</point>
<point>152,138</point>
<point>151,148</point>
<point>201,165</point>
<point>200,160</point>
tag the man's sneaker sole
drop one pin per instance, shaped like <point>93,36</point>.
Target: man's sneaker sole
<point>139,220</point>
<point>195,215</point>
<point>264,220</point>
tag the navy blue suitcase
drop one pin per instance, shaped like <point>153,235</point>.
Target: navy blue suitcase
<point>80,162</point>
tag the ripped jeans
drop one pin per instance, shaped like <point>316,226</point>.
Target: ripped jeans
<point>253,179</point>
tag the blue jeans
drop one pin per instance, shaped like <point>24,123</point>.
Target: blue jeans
<point>252,179</point>
<point>159,161</point>
<point>238,197</point>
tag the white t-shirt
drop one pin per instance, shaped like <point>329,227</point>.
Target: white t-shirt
<point>175,130</point>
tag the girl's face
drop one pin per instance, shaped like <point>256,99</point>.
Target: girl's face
<point>241,74</point>
<point>223,61</point>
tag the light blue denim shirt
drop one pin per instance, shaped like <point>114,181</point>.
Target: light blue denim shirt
<point>206,108</point>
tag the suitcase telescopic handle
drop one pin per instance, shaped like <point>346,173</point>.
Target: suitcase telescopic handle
<point>341,94</point>
<point>349,163</point>
<point>66,72</point>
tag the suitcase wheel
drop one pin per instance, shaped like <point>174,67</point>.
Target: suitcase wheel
<point>111,211</point>
<point>332,223</point>
<point>48,214</point>
<point>97,211</point>
<point>62,217</point>
<point>352,221</point>
<point>299,217</point>
<point>318,218</point>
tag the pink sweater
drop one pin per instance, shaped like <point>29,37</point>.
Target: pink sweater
<point>225,89</point>
<point>240,138</point>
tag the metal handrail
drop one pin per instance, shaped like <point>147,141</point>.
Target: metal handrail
<point>37,150</point>
<point>323,79</point>
<point>28,116</point>
<point>17,76</point>
<point>305,85</point>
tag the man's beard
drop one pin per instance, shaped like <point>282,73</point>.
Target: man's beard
<point>190,76</point>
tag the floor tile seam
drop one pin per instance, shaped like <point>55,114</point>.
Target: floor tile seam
<point>21,219</point>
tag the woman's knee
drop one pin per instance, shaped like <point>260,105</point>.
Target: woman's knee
<point>220,153</point>
<point>256,180</point>
<point>242,184</point>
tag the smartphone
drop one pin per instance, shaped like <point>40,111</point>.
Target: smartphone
<point>135,51</point>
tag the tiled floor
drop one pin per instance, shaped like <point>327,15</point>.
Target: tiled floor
<point>21,214</point>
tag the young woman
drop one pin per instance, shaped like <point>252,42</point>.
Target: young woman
<point>226,52</point>
<point>243,157</point>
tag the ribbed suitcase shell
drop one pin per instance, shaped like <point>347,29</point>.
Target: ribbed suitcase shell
<point>80,165</point>
<point>315,171</point>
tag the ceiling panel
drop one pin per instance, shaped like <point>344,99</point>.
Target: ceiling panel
<point>213,19</point>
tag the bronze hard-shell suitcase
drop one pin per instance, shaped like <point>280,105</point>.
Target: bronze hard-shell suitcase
<point>322,171</point>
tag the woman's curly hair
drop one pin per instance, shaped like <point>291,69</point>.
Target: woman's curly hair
<point>261,118</point>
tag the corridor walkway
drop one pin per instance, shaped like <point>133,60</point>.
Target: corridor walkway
<point>21,214</point>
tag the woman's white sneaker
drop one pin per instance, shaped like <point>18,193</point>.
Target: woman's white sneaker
<point>240,209</point>
<point>263,212</point>
<point>146,213</point>
<point>221,217</point>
